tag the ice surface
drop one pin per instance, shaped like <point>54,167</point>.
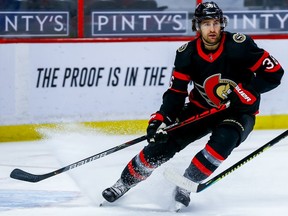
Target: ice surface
<point>257,188</point>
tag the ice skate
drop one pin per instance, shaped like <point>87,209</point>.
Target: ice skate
<point>182,198</point>
<point>115,192</point>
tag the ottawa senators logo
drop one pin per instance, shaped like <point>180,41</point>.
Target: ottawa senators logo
<point>239,38</point>
<point>215,89</point>
<point>183,47</point>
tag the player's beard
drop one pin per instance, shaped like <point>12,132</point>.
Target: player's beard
<point>211,41</point>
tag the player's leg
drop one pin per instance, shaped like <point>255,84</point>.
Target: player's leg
<point>225,137</point>
<point>140,168</point>
<point>152,156</point>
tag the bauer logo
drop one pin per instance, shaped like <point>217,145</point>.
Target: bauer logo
<point>34,24</point>
<point>139,23</point>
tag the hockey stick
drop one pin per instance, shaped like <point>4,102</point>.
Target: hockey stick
<point>29,177</point>
<point>173,176</point>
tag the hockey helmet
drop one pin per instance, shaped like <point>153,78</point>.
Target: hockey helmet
<point>207,10</point>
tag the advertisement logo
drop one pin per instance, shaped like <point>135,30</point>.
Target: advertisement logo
<point>257,22</point>
<point>34,24</point>
<point>139,23</point>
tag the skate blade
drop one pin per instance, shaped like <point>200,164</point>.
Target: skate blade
<point>178,206</point>
<point>103,203</point>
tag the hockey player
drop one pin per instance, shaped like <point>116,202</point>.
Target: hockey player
<point>223,66</point>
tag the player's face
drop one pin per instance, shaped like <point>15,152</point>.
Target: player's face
<point>210,30</point>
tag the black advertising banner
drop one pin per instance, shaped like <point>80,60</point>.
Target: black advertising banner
<point>178,23</point>
<point>137,23</point>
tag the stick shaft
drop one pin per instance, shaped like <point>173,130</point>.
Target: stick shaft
<point>242,162</point>
<point>173,176</point>
<point>25,176</point>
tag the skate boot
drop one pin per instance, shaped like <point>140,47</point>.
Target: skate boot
<point>182,198</point>
<point>115,192</point>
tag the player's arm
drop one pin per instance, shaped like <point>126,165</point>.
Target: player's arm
<point>173,101</point>
<point>268,71</point>
<point>174,97</point>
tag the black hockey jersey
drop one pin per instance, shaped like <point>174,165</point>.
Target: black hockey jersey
<point>237,60</point>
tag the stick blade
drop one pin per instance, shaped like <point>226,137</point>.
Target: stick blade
<point>24,176</point>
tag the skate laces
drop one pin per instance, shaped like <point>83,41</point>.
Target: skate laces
<point>119,187</point>
<point>183,191</point>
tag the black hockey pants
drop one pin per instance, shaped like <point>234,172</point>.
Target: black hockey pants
<point>227,130</point>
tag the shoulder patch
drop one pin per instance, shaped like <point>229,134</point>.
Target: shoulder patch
<point>183,47</point>
<point>239,38</point>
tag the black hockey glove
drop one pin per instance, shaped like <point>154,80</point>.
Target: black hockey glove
<point>155,132</point>
<point>244,99</point>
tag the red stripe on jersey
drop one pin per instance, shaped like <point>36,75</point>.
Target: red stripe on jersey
<point>175,90</point>
<point>181,76</point>
<point>212,152</point>
<point>271,65</point>
<point>259,62</point>
<point>144,162</point>
<point>133,172</point>
<point>273,69</point>
<point>201,167</point>
<point>211,57</point>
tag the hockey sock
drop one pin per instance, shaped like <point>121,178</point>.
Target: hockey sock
<point>137,170</point>
<point>215,152</point>
<point>203,164</point>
